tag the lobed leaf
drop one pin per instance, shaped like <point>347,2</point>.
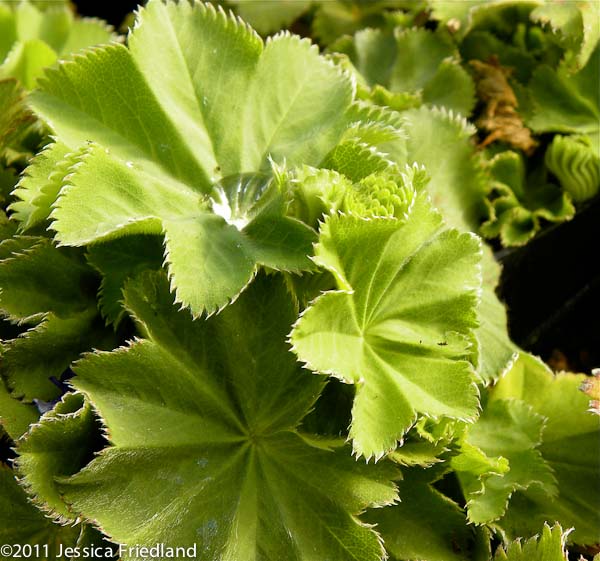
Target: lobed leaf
<point>400,325</point>
<point>570,446</point>
<point>166,157</point>
<point>217,430</point>
<point>502,457</point>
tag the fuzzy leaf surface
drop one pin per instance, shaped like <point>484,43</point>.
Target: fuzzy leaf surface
<point>209,104</point>
<point>400,325</point>
<point>216,428</point>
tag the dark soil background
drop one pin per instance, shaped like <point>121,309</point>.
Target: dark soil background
<point>113,13</point>
<point>551,286</point>
<point>552,289</point>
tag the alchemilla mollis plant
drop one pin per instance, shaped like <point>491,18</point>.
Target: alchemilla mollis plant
<point>245,308</point>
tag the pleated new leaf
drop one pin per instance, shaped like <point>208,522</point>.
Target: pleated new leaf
<point>576,164</point>
<point>39,186</point>
<point>201,416</point>
<point>401,325</point>
<point>211,108</point>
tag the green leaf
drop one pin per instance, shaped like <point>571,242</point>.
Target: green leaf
<point>508,430</point>
<point>267,17</point>
<point>373,53</point>
<point>29,361</point>
<point>570,446</point>
<point>14,116</point>
<point>8,31</point>
<point>54,290</point>
<point>166,160</point>
<point>412,61</point>
<point>461,18</point>
<point>519,201</point>
<point>420,53</point>
<point>426,524</point>
<point>22,523</point>
<point>496,351</point>
<point>356,160</point>
<point>39,186</point>
<point>316,192</point>
<point>452,87</point>
<point>43,279</point>
<point>396,329</point>
<point>335,19</point>
<point>576,24</point>
<point>550,546</point>
<point>216,430</point>
<point>418,453</point>
<point>60,444</point>
<point>35,39</point>
<point>568,103</point>
<point>441,142</point>
<point>26,61</point>
<point>119,260</point>
<point>15,416</point>
<point>84,33</point>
